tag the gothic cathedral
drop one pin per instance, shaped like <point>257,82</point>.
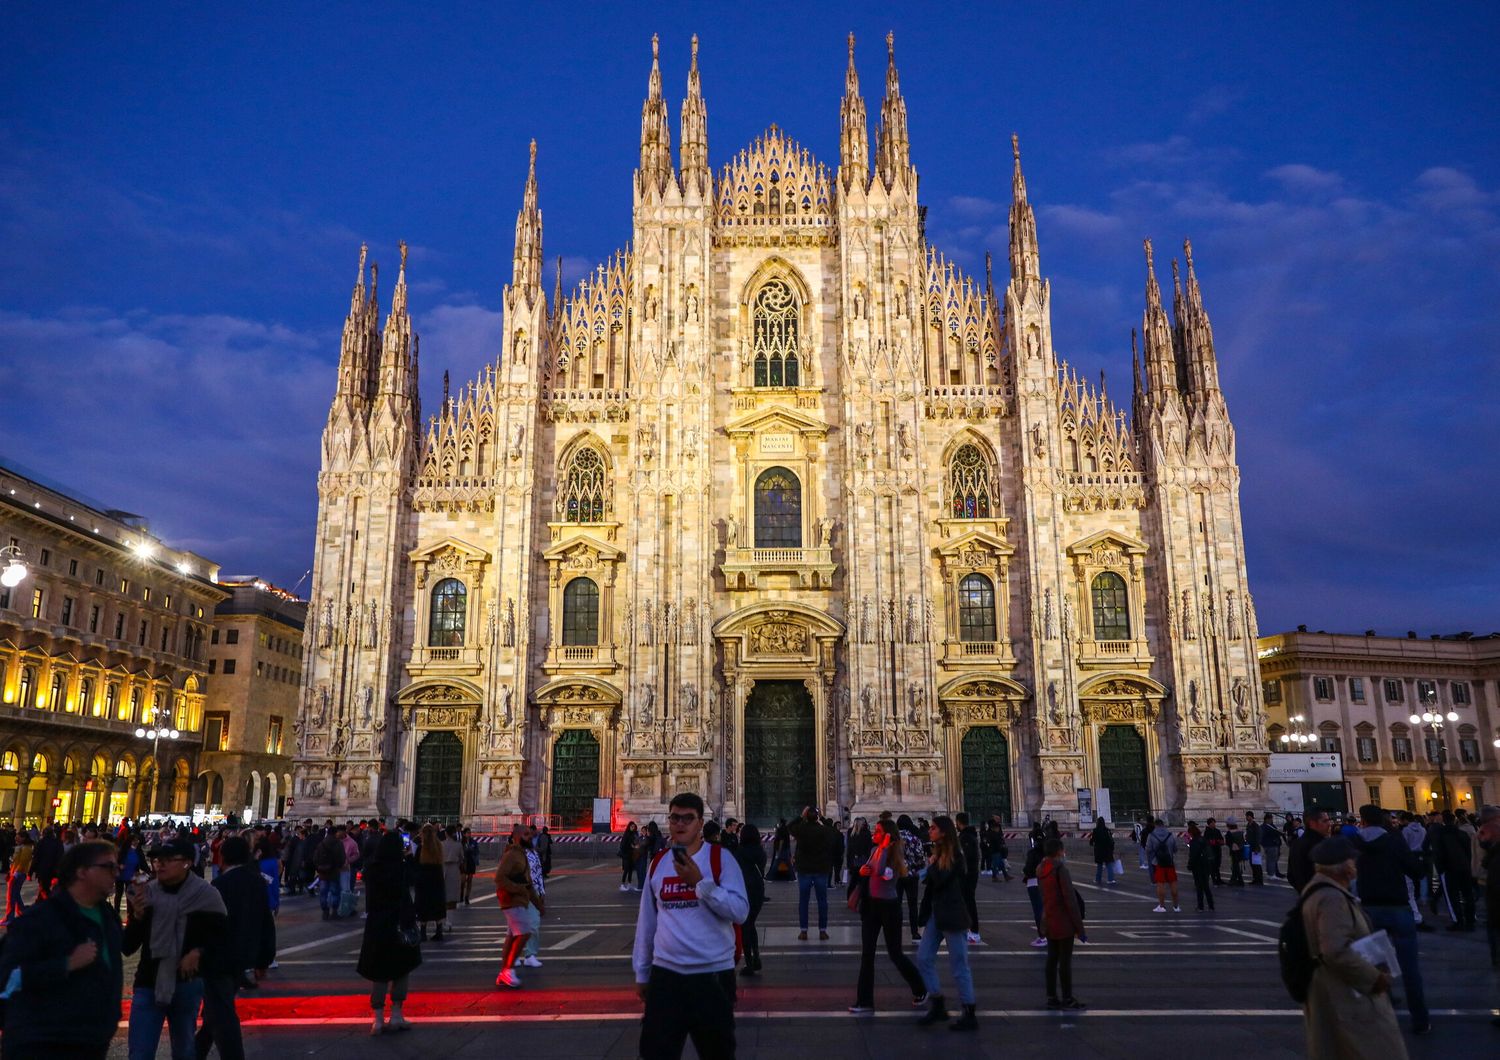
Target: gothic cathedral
<point>781,507</point>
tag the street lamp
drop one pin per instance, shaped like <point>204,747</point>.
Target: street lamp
<point>1299,737</point>
<point>155,734</point>
<point>1433,721</point>
<point>15,566</point>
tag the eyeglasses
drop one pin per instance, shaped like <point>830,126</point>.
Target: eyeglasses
<point>112,866</point>
<point>682,818</point>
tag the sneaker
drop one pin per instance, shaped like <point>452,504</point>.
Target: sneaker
<point>1052,1002</point>
<point>532,962</point>
<point>1160,909</point>
<point>823,936</point>
<point>1039,942</point>
<point>624,886</point>
<point>918,1000</point>
<point>508,978</point>
<point>1177,909</point>
<point>861,1010</point>
<point>801,936</point>
<point>974,939</point>
<point>1073,1002</point>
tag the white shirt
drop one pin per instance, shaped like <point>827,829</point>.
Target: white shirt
<point>686,929</point>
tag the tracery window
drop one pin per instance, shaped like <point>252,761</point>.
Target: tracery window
<point>450,607</point>
<point>778,509</point>
<point>775,335</point>
<point>584,491</point>
<point>581,612</point>
<point>969,483</point>
<point>1111,607</point>
<point>976,609</point>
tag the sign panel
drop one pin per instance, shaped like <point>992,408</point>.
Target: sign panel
<point>777,444</point>
<point>1101,808</point>
<point>1085,807</point>
<point>602,819</point>
<point>1288,798</point>
<point>1294,768</point>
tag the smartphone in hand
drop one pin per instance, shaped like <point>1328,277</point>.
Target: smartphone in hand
<point>679,852</point>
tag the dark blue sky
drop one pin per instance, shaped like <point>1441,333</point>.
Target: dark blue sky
<point>183,193</point>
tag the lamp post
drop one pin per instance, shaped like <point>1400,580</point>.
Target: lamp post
<point>155,734</point>
<point>1299,738</point>
<point>15,569</point>
<point>1432,720</point>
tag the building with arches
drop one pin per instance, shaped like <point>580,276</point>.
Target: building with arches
<point>780,505</point>
<point>106,635</point>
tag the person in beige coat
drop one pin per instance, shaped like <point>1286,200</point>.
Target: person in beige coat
<point>453,859</point>
<point>1348,1012</point>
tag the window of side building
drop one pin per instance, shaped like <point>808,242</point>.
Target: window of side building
<point>1366,748</point>
<point>1459,690</point>
<point>1323,688</point>
<point>228,666</point>
<point>273,735</point>
<point>1357,689</point>
<point>1393,692</point>
<point>1468,750</point>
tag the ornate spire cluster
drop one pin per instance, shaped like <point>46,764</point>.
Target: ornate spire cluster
<point>694,149</point>
<point>526,271</point>
<point>589,334</point>
<point>1025,256</point>
<point>854,131</point>
<point>776,184</point>
<point>1161,360</point>
<point>1198,336</point>
<point>893,148</point>
<point>396,374</point>
<point>656,139</point>
<point>969,323</point>
<point>354,347</point>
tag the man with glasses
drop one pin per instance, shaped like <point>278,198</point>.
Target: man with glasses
<point>685,940</point>
<point>173,921</point>
<point>62,967</point>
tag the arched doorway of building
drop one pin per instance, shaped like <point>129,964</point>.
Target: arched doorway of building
<point>986,773</point>
<point>575,777</point>
<point>1122,769</point>
<point>781,767</point>
<point>272,801</point>
<point>438,788</point>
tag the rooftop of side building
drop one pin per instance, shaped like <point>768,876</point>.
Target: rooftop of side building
<point>252,595</point>
<point>1465,648</point>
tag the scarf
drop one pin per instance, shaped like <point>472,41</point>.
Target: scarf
<point>169,913</point>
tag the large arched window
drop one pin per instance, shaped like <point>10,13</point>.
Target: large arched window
<point>450,607</point>
<point>775,335</point>
<point>581,612</point>
<point>969,482</point>
<point>1111,607</point>
<point>584,489</point>
<point>778,509</point>
<point>976,609</point>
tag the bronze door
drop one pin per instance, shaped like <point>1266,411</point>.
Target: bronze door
<point>438,786</point>
<point>986,773</point>
<point>1122,769</point>
<point>575,778</point>
<point>780,754</point>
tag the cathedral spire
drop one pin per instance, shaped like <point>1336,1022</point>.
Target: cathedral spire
<point>893,148</point>
<point>656,139</point>
<point>694,148</point>
<point>526,270</point>
<point>1025,256</point>
<point>395,356</point>
<point>1161,362</point>
<point>854,131</point>
<point>557,289</point>
<point>1202,361</point>
<point>354,348</point>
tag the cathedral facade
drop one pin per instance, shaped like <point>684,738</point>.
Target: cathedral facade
<point>780,506</point>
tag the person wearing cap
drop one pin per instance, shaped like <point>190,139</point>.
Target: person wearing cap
<point>1348,1010</point>
<point>249,942</point>
<point>174,920</point>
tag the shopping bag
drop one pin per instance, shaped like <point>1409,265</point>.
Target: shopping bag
<point>1255,858</point>
<point>1119,867</point>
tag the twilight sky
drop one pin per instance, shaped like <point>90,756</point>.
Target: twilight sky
<point>183,193</point>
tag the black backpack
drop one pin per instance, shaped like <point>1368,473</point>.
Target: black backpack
<point>1164,853</point>
<point>1293,952</point>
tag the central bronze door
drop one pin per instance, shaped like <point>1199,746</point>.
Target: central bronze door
<point>986,763</point>
<point>438,794</point>
<point>575,778</point>
<point>1122,769</point>
<point>780,752</point>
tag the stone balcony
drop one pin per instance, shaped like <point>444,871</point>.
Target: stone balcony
<point>428,661</point>
<point>808,568</point>
<point>589,658</point>
<point>978,653</point>
<point>1103,654</point>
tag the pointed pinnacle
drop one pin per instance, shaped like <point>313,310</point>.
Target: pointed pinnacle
<point>364,252</point>
<point>1187,251</point>
<point>890,45</point>
<point>532,166</point>
<point>1176,279</point>
<point>695,51</point>
<point>851,47</point>
<point>1150,263</point>
<point>1015,147</point>
<point>401,278</point>
<point>989,273</point>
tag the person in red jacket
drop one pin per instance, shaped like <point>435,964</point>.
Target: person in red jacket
<point>1062,922</point>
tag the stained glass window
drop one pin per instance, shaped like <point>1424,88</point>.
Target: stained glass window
<point>976,609</point>
<point>775,335</point>
<point>969,483</point>
<point>1111,607</point>
<point>584,489</point>
<point>778,509</point>
<point>450,605</point>
<point>581,612</point>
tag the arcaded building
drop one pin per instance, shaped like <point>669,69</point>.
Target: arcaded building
<point>781,506</point>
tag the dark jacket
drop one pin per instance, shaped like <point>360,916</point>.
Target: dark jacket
<point>202,931</point>
<point>1252,836</point>
<point>1385,862</point>
<point>814,845</point>
<point>1270,836</point>
<point>329,857</point>
<point>53,1005</point>
<point>1103,842</point>
<point>249,939</point>
<point>1200,855</point>
<point>45,859</point>
<point>1451,851</point>
<point>1299,866</point>
<point>752,860</point>
<point>943,897</point>
<point>382,955</point>
<point>968,842</point>
<point>858,850</point>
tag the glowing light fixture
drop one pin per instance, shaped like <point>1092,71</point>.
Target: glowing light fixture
<point>15,567</point>
<point>145,549</point>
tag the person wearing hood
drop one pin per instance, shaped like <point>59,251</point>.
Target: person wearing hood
<point>1234,839</point>
<point>1415,836</point>
<point>1348,1009</point>
<point>1062,922</point>
<point>1103,842</point>
<point>1385,865</point>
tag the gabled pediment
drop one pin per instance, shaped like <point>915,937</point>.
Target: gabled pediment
<point>584,543</point>
<point>777,418</point>
<point>975,540</point>
<point>1106,540</point>
<point>465,550</point>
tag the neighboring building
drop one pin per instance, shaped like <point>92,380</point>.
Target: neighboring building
<point>1356,695</point>
<point>254,673</point>
<point>107,634</point>
<point>782,507</point>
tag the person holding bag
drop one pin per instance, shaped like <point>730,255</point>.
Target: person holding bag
<point>389,951</point>
<point>1103,842</point>
<point>1062,922</point>
<point>945,918</point>
<point>878,899</point>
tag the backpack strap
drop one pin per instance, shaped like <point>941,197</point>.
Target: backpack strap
<point>715,860</point>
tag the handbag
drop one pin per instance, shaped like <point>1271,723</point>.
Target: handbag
<point>857,895</point>
<point>408,935</point>
<point>1119,867</point>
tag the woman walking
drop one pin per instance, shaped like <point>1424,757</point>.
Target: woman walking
<point>453,863</point>
<point>20,868</point>
<point>628,843</point>
<point>513,889</point>
<point>857,852</point>
<point>470,865</point>
<point>1201,864</point>
<point>1103,842</point>
<point>1062,921</point>
<point>432,903</point>
<point>880,913</point>
<point>386,954</point>
<point>650,842</point>
<point>945,918</point>
<point>752,858</point>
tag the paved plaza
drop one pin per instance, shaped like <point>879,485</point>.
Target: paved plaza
<point>1151,981</point>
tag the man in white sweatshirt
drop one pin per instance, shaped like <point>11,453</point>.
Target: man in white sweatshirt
<point>685,940</point>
